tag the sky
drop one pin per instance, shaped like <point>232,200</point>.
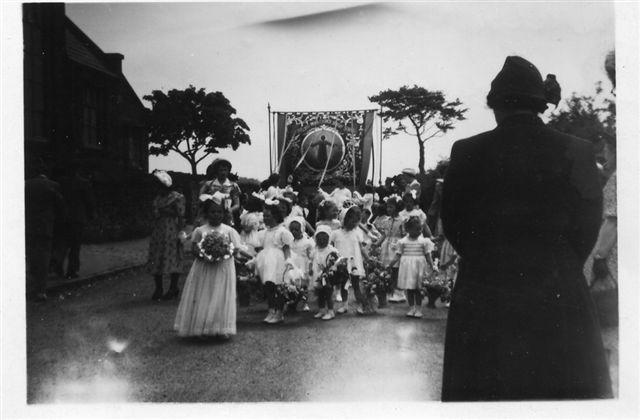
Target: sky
<point>333,56</point>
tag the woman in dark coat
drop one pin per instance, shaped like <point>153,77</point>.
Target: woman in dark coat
<point>522,205</point>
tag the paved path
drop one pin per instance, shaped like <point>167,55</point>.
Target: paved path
<point>97,260</point>
<point>73,354</point>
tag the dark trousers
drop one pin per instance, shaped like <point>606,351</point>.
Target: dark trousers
<point>74,242</point>
<point>273,300</point>
<point>38,255</point>
<point>325,297</point>
<point>67,243</point>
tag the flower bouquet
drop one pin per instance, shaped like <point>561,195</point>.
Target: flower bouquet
<point>436,284</point>
<point>215,247</point>
<point>290,294</point>
<point>378,280</point>
<point>335,272</point>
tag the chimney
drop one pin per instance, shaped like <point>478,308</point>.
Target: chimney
<point>114,60</point>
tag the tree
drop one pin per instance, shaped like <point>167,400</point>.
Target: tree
<point>591,117</point>
<point>193,124</point>
<point>418,112</point>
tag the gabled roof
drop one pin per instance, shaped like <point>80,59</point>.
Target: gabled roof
<point>81,49</point>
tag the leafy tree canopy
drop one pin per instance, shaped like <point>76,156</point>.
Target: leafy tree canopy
<point>418,112</point>
<point>194,124</point>
<point>591,117</point>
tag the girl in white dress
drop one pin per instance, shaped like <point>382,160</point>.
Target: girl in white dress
<point>208,303</point>
<point>412,210</point>
<point>414,253</point>
<point>271,261</point>
<point>252,224</point>
<point>390,226</point>
<point>302,248</point>
<point>319,262</point>
<point>328,215</point>
<point>350,242</point>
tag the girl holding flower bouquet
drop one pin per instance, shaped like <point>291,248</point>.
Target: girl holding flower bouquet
<point>350,243</point>
<point>322,259</point>
<point>208,303</point>
<point>390,226</point>
<point>271,261</point>
<point>414,254</point>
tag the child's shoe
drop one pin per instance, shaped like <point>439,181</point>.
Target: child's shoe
<point>417,313</point>
<point>329,315</point>
<point>269,317</point>
<point>411,312</point>
<point>306,308</point>
<point>343,309</point>
<point>321,313</point>
<point>277,318</point>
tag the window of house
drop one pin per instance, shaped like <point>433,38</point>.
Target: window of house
<point>90,118</point>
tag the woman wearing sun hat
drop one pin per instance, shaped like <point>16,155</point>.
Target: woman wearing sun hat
<point>165,248</point>
<point>218,181</point>
<point>521,206</point>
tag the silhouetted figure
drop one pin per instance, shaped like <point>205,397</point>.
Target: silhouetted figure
<point>44,206</point>
<point>522,206</point>
<point>80,203</point>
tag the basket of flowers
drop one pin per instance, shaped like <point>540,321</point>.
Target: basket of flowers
<point>215,247</point>
<point>291,292</point>
<point>378,279</point>
<point>436,284</point>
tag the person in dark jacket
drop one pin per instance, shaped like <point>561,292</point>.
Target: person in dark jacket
<point>521,205</point>
<point>80,203</point>
<point>44,206</point>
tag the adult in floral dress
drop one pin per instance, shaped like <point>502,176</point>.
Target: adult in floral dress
<point>165,248</point>
<point>601,268</point>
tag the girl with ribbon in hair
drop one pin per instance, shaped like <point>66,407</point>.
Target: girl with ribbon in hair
<point>350,242</point>
<point>252,223</point>
<point>322,262</point>
<point>271,262</point>
<point>328,215</point>
<point>411,209</point>
<point>208,304</point>
<point>390,226</point>
<point>165,248</point>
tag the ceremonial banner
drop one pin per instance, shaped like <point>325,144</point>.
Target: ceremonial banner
<point>317,147</point>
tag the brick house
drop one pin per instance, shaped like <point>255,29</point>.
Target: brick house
<point>77,102</point>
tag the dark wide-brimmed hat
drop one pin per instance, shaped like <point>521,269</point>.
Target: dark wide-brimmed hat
<point>212,169</point>
<point>518,78</point>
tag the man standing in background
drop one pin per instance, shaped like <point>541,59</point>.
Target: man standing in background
<point>44,205</point>
<point>80,204</point>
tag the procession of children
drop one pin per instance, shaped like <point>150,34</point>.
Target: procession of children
<point>359,253</point>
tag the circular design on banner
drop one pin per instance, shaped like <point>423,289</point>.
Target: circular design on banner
<point>323,144</point>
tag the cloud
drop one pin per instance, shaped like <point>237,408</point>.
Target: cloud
<point>329,17</point>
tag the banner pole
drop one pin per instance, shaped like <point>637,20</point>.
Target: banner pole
<point>373,159</point>
<point>270,153</point>
<point>380,160</point>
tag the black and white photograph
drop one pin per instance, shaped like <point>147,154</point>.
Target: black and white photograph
<point>320,209</point>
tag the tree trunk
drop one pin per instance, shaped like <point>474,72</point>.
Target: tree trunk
<point>421,161</point>
<point>194,167</point>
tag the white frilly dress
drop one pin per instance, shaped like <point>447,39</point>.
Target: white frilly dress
<point>413,261</point>
<point>208,303</point>
<point>270,262</point>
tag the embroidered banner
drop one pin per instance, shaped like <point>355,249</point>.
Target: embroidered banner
<point>317,147</point>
